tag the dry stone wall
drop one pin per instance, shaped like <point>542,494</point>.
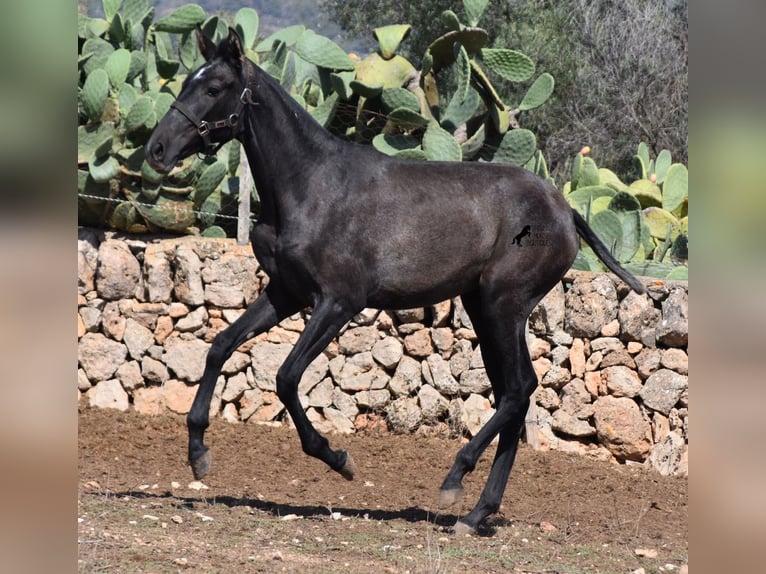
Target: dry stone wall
<point>612,365</point>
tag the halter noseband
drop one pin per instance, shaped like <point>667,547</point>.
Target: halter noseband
<point>204,127</point>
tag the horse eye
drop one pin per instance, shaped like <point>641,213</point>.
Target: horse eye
<point>213,91</point>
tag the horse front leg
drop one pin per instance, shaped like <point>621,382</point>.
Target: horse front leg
<point>328,318</point>
<point>262,314</point>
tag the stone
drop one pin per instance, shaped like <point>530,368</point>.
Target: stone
<point>592,383</point>
<point>360,373</point>
<point>339,422</point>
<point>547,398</point>
<point>666,456</point>
<point>317,371</point>
<point>443,339</point>
<point>186,358</point>
<point>611,329</point>
<point>358,340</point>
<point>224,295</point>
<point>83,384</point>
<point>344,403</point>
<point>594,361</point>
<point>419,344</point>
<point>676,360</point>
<point>477,410</point>
<point>575,399</point>
<point>118,272</point>
<point>407,377</point>
<point>432,403</point>
<point>538,348</point>
<point>178,396</point>
<point>145,314</point>
<point>108,395</point>
<point>177,310</point>
<point>638,319</point>
<point>647,362</point>
<point>154,371</point>
<point>590,304</point>
<point>249,403</point>
<point>673,330</point>
<point>556,377</point>
<point>321,394</point>
<point>159,276</point>
<point>112,322</point>
<point>621,428</point>
<point>269,409</point>
<point>548,314</point>
<point>235,387</point>
<point>230,413</point>
<point>440,375</point>
<point>663,389</point>
<point>615,358</point>
<point>560,356</point>
<point>416,315</point>
<point>129,375</point>
<point>477,359</point>
<point>541,367</point>
<point>149,401</point>
<point>187,280</point>
<point>621,381</point>
<point>366,317</point>
<point>193,321</point>
<point>91,318</point>
<point>565,423</point>
<point>460,318</point>
<point>404,415</point>
<point>266,360</point>
<point>461,357</point>
<point>474,381</point>
<point>100,357</point>
<point>373,400</point>
<point>388,352</point>
<point>137,338</point>
<point>440,314</point>
<point>236,363</point>
<point>87,261</point>
<point>577,358</point>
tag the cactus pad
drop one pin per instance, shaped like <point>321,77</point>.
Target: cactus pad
<point>389,38</point>
<point>509,64</point>
<point>538,93</point>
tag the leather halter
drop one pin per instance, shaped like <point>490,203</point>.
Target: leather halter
<point>204,127</point>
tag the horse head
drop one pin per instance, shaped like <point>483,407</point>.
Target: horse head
<point>208,111</point>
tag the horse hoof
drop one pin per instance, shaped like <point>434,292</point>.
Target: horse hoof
<point>449,497</point>
<point>349,468</point>
<point>200,465</point>
<point>461,528</point>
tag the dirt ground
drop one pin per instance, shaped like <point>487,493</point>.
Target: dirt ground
<point>266,507</point>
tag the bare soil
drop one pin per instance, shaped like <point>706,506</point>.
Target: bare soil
<point>267,507</point>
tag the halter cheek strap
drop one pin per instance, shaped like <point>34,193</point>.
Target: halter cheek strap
<point>204,127</point>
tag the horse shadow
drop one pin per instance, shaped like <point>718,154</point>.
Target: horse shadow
<point>412,514</point>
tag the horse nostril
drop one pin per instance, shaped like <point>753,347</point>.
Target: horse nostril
<point>158,151</point>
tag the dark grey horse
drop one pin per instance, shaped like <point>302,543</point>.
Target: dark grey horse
<point>343,227</point>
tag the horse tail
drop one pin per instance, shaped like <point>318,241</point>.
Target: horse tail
<point>584,230</point>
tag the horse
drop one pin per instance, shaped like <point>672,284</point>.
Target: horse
<point>343,227</point>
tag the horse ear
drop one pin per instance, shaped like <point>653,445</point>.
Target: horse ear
<point>205,45</point>
<point>235,45</point>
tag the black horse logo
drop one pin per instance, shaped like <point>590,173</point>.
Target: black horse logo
<point>520,236</point>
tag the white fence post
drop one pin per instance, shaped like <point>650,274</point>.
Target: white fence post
<point>245,187</point>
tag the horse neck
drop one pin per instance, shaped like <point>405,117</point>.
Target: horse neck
<point>283,143</point>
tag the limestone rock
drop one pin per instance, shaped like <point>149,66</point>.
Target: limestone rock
<point>419,344</point>
<point>108,395</point>
<point>339,422</point>
<point>373,400</point>
<point>186,358</point>
<point>548,315</point>
<point>100,357</point>
<point>266,360</point>
<point>388,352</point>
<point>432,403</point>
<point>149,401</point>
<point>404,414</point>
<point>129,375</point>
<point>474,381</point>
<point>407,377</point>
<point>663,389</point>
<point>666,456</point>
<point>589,306</point>
<point>621,428</point>
<point>118,272</point>
<point>565,423</point>
<point>235,387</point>
<point>159,276</point>
<point>137,338</point>
<point>87,261</point>
<point>673,330</point>
<point>358,340</point>
<point>178,396</point>
<point>154,371</point>
<point>187,281</point>
<point>441,376</point>
<point>477,410</point>
<point>638,319</point>
<point>621,381</point>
